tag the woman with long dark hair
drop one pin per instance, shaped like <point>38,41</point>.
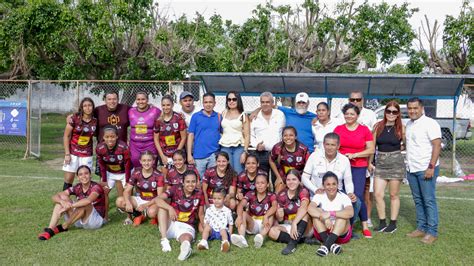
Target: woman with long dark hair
<point>221,175</point>
<point>389,136</point>
<point>286,155</point>
<point>235,137</point>
<point>78,142</point>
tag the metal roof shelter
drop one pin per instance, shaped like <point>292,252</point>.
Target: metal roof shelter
<point>332,85</point>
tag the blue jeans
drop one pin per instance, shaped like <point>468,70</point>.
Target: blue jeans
<point>204,163</point>
<point>424,194</point>
<point>359,179</point>
<point>234,157</point>
<point>356,205</point>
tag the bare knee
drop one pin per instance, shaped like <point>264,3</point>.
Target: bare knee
<point>120,202</point>
<point>394,196</point>
<point>274,233</point>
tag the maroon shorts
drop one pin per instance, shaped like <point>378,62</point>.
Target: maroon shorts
<point>340,240</point>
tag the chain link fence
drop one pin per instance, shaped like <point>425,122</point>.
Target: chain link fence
<point>51,101</point>
<point>12,143</point>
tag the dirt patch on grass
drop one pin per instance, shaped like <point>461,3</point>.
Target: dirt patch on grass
<point>55,163</point>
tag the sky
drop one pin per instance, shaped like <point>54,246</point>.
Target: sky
<point>239,10</point>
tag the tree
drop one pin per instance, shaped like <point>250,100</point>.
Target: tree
<point>458,42</point>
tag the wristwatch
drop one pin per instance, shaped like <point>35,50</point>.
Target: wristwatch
<point>430,166</point>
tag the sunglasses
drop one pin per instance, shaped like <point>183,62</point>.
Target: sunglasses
<point>355,99</point>
<point>392,112</point>
<point>232,99</point>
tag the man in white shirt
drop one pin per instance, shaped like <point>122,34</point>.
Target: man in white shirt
<point>265,129</point>
<point>423,137</point>
<point>329,159</point>
<point>186,100</point>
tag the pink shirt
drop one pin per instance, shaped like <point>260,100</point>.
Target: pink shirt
<point>354,141</point>
<point>141,123</point>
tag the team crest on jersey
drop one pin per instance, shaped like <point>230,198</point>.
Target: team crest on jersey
<point>175,125</point>
<point>196,202</point>
<point>298,203</point>
<point>266,206</point>
<point>168,128</point>
<point>258,208</point>
<point>119,157</point>
<point>86,129</point>
<point>299,159</point>
<point>145,185</point>
<point>93,128</point>
<point>290,206</point>
<point>113,120</point>
<point>153,184</point>
<point>290,159</point>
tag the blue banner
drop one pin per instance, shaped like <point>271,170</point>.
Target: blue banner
<point>13,118</point>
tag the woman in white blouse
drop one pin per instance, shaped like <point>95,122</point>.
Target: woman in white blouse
<point>235,137</point>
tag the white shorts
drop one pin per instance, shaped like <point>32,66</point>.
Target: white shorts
<point>94,221</point>
<point>371,180</point>
<point>257,227</point>
<point>140,201</point>
<point>77,161</point>
<point>286,226</point>
<point>176,229</point>
<point>111,178</point>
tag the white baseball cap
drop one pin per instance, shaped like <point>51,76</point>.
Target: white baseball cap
<point>302,97</point>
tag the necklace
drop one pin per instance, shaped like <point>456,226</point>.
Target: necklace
<point>388,129</point>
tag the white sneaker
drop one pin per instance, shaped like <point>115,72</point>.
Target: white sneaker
<point>186,251</point>
<point>258,241</point>
<point>202,245</point>
<point>225,246</point>
<point>165,245</point>
<point>369,223</point>
<point>239,241</point>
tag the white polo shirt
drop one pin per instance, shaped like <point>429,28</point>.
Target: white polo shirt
<point>320,130</point>
<point>419,134</point>
<point>367,118</point>
<point>267,131</point>
<point>187,116</point>
<point>317,165</point>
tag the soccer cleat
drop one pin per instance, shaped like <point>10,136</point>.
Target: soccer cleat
<point>154,221</point>
<point>336,249</point>
<point>186,251</point>
<point>127,221</point>
<point>239,241</point>
<point>258,241</point>
<point>138,220</point>
<point>225,246</point>
<point>369,223</point>
<point>391,228</point>
<point>289,249</point>
<point>322,251</point>
<point>165,245</point>
<point>47,234</point>
<point>311,241</point>
<point>202,245</point>
<point>367,233</point>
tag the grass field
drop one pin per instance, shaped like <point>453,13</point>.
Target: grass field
<point>27,186</point>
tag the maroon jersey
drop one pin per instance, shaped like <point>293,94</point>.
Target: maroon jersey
<point>290,207</point>
<point>99,203</point>
<point>174,178</point>
<point>115,160</point>
<point>81,137</point>
<point>118,118</point>
<point>289,160</point>
<point>169,131</point>
<point>259,208</point>
<point>213,180</point>
<point>147,188</point>
<point>186,207</point>
<point>245,184</point>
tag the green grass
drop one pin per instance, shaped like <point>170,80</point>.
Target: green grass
<point>26,206</point>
